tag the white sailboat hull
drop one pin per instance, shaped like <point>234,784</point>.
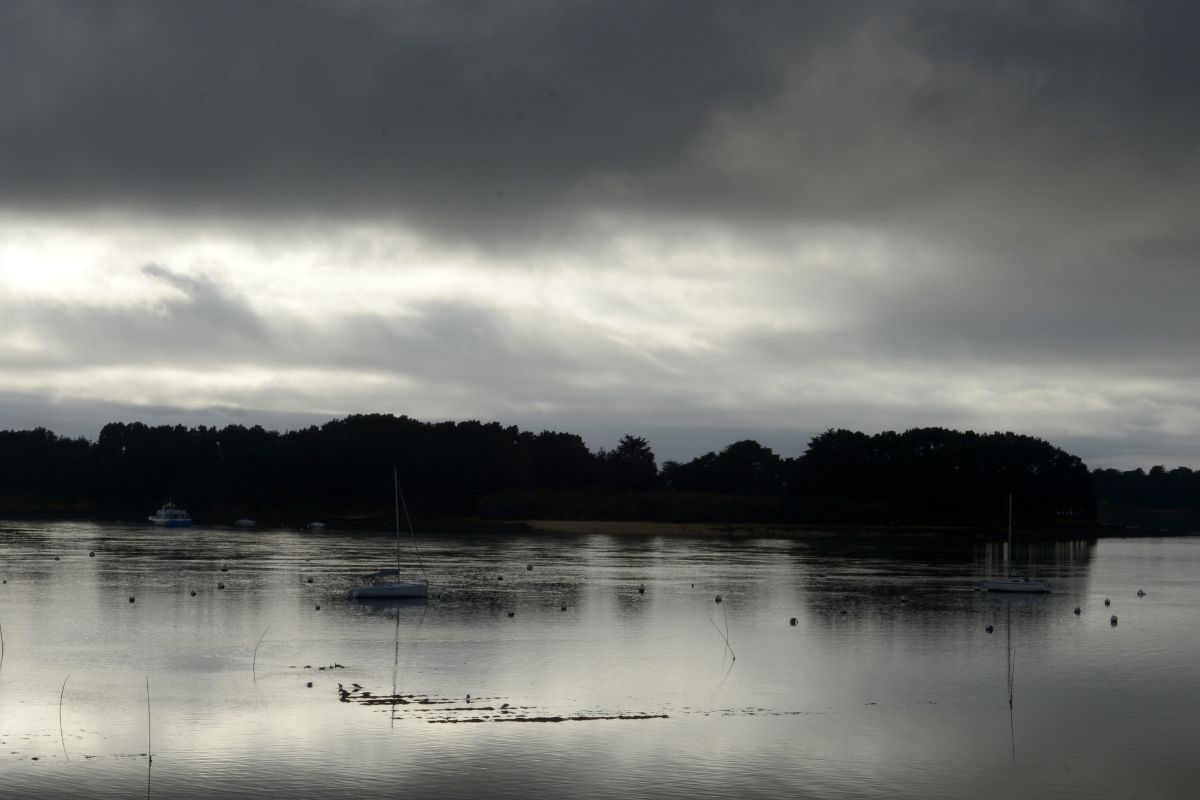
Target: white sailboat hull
<point>1014,585</point>
<point>389,590</point>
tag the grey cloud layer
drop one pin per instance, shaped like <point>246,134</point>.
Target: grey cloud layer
<point>469,115</point>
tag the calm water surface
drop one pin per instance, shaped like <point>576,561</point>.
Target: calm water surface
<point>888,684</point>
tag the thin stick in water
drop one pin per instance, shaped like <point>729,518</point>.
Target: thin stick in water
<point>726,638</point>
<point>254,659</point>
<point>1,644</point>
<point>149,750</point>
<point>61,737</point>
<point>726,613</point>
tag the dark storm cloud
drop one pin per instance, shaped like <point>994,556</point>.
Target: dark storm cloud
<point>479,114</point>
<point>344,107</point>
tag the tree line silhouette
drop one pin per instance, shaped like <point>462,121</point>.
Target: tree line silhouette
<point>343,469</point>
<point>1159,489</point>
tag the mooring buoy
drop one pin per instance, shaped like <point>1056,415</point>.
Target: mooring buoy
<point>989,629</point>
<point>1113,619</point>
<point>1106,601</point>
<point>718,599</point>
<point>792,622</point>
<point>131,598</point>
<point>1077,611</point>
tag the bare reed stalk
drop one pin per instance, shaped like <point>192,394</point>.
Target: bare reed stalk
<point>254,659</point>
<point>61,737</point>
<point>1,644</point>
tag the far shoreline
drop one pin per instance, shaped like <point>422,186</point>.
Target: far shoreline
<point>474,526</point>
<point>802,530</point>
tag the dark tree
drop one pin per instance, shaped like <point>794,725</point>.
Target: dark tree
<point>631,465</point>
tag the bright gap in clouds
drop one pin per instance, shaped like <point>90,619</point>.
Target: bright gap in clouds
<point>637,325</point>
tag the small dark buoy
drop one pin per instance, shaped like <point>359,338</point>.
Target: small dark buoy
<point>1106,601</point>
<point>642,589</point>
<point>511,614</point>
<point>131,598</point>
<point>989,629</point>
<point>1077,611</point>
<point>309,684</point>
<point>529,567</point>
<point>792,622</point>
<point>92,554</point>
<point>310,580</point>
<point>1141,593</point>
<point>56,558</point>
<point>224,569</point>
<point>220,586</point>
<point>1113,619</point>
<point>468,698</point>
<point>499,577</point>
<point>318,608</point>
<point>693,586</point>
<point>193,593</point>
<point>564,608</point>
<point>718,599</point>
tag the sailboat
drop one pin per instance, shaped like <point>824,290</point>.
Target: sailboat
<point>1009,583</point>
<point>385,584</point>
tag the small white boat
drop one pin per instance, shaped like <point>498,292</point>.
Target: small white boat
<point>315,526</point>
<point>1009,583</point>
<point>386,583</point>
<point>171,516</point>
<point>244,523</point>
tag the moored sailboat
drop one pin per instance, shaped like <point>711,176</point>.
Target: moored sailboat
<point>385,584</point>
<point>1009,583</point>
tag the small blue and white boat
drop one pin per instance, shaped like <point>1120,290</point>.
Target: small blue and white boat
<point>171,516</point>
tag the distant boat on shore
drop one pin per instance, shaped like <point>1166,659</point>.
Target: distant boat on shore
<point>171,516</point>
<point>244,523</point>
<point>315,526</point>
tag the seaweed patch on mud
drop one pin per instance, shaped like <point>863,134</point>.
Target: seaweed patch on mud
<point>444,710</point>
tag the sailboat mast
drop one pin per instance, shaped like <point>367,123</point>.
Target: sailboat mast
<point>396,493</point>
<point>1009,553</point>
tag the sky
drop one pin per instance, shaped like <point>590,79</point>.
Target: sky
<point>691,221</point>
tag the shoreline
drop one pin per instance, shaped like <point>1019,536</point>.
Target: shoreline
<point>800,530</point>
<point>652,529</point>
